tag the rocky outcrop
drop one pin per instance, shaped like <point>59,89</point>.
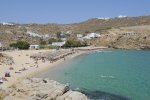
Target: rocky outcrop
<point>42,89</point>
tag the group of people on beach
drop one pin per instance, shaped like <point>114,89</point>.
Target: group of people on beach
<point>8,72</point>
<point>50,56</point>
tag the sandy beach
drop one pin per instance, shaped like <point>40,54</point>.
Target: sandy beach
<point>23,61</point>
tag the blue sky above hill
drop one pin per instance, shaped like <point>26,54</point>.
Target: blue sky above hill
<point>68,11</point>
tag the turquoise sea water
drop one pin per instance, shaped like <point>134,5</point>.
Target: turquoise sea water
<point>123,73</point>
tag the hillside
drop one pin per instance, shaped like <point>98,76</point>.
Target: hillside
<point>11,33</point>
<point>92,25</point>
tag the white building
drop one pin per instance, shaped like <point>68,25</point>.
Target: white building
<point>69,32</point>
<point>87,37</point>
<point>79,35</point>
<point>63,39</point>
<point>34,47</point>
<point>102,18</point>
<point>5,23</point>
<point>58,44</point>
<point>122,16</point>
<point>33,34</point>
<point>91,36</point>
<point>46,37</point>
<point>1,45</point>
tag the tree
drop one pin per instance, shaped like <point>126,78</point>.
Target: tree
<point>74,43</point>
<point>42,42</point>
<point>52,40</point>
<point>20,45</point>
<point>58,34</point>
<point>13,45</point>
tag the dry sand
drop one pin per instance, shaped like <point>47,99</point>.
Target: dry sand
<point>22,60</point>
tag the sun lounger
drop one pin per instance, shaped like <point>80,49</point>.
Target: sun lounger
<point>23,69</point>
<point>1,81</point>
<point>17,72</point>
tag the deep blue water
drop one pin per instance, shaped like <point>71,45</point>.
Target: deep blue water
<point>109,75</point>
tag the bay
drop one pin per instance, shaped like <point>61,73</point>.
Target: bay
<point>107,75</point>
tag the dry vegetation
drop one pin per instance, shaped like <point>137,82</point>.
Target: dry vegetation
<point>11,34</point>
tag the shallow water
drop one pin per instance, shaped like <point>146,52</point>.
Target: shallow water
<point>115,75</point>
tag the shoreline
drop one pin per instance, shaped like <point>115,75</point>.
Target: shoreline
<point>21,57</point>
<point>58,62</point>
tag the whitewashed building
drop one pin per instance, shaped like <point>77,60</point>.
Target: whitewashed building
<point>34,47</point>
<point>5,23</point>
<point>46,37</point>
<point>1,45</point>
<point>103,18</point>
<point>58,44</point>
<point>79,35</point>
<point>91,36</point>
<point>122,16</point>
<point>33,34</point>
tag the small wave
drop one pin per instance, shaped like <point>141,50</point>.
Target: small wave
<point>107,51</point>
<point>97,51</point>
<point>77,89</point>
<point>103,76</point>
<point>111,77</point>
<point>102,51</point>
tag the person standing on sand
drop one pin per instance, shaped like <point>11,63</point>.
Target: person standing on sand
<point>37,65</point>
<point>7,73</point>
<point>11,68</point>
<point>64,58</point>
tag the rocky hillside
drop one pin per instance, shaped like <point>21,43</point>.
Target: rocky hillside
<point>136,37</point>
<point>98,25</point>
<point>12,33</point>
<point>92,25</point>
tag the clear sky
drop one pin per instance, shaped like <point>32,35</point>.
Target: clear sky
<point>68,11</point>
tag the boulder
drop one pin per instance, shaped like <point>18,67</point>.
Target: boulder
<point>43,89</point>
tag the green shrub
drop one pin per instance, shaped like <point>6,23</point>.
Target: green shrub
<point>50,41</point>
<point>47,47</point>
<point>20,44</point>
<point>74,43</point>
<point>42,46</point>
<point>42,42</point>
<point>13,45</point>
